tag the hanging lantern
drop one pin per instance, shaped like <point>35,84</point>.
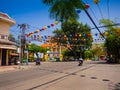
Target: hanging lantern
<point>48,37</point>
<point>56,22</point>
<point>96,1</point>
<point>76,35</point>
<point>34,37</point>
<point>70,35</point>
<point>48,26</point>
<point>32,32</point>
<point>56,36</point>
<point>38,36</point>
<point>106,33</point>
<point>78,11</point>
<point>60,35</point>
<point>52,25</point>
<point>111,32</point>
<point>117,31</point>
<point>89,35</point>
<point>45,37</point>
<point>84,35</point>
<point>65,36</point>
<point>45,27</point>
<point>27,35</point>
<point>80,35</point>
<point>96,34</point>
<point>37,31</point>
<point>87,6</point>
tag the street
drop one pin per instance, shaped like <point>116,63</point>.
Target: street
<point>63,76</point>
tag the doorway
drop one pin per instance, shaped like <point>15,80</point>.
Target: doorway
<point>3,57</point>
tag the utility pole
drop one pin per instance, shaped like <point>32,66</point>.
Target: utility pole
<point>23,28</point>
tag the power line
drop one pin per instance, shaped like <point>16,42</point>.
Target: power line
<point>93,12</point>
<point>100,11</point>
<point>107,25</point>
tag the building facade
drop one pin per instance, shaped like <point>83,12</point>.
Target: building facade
<point>54,50</point>
<point>5,44</point>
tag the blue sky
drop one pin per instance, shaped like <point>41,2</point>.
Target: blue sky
<point>35,13</point>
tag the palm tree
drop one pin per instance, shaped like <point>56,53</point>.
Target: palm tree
<point>64,10</point>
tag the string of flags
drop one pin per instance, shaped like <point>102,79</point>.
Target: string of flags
<point>42,29</point>
<point>45,38</point>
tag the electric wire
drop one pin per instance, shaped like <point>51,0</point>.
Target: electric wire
<point>100,11</point>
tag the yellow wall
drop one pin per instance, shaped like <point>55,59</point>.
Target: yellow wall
<point>4,28</point>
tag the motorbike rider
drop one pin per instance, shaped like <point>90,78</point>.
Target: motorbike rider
<point>80,61</point>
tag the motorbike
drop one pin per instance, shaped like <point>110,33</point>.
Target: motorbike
<point>80,62</point>
<point>37,61</point>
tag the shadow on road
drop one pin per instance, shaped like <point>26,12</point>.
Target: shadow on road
<point>114,86</point>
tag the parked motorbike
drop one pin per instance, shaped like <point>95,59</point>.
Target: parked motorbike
<point>80,62</point>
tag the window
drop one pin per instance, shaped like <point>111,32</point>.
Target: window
<point>2,37</point>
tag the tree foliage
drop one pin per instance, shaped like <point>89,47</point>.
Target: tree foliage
<point>112,40</point>
<point>35,49</point>
<point>64,9</point>
<point>74,35</point>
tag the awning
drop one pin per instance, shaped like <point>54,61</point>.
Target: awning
<point>8,47</point>
<point>14,54</point>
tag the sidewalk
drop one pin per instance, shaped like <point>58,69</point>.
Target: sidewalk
<point>15,67</point>
<point>18,67</point>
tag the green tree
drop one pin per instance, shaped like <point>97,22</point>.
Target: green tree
<point>112,40</point>
<point>88,54</point>
<point>11,38</point>
<point>64,9</point>
<point>35,49</point>
<point>74,35</point>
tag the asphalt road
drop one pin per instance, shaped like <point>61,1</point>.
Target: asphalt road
<point>63,76</point>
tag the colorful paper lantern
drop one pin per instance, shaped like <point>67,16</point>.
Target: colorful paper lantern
<point>96,34</point>
<point>89,35</point>
<point>106,33</point>
<point>52,25</point>
<point>78,11</point>
<point>56,22</point>
<point>65,36</point>
<point>96,1</point>
<point>87,6</point>
<point>80,35</point>
<point>43,28</point>
<point>37,31</point>
<point>48,26</point>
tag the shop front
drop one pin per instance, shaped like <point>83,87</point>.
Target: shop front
<point>4,53</point>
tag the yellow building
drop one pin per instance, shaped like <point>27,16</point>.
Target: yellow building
<point>55,50</point>
<point>5,45</point>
